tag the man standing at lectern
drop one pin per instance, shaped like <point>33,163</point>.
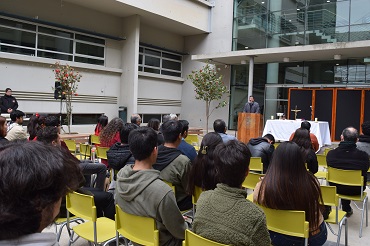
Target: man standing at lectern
<point>251,106</point>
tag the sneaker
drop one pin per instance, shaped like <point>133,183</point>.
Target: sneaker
<point>348,214</point>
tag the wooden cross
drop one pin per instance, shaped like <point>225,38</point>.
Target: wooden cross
<point>295,111</point>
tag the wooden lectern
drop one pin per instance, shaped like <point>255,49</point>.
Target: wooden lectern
<point>249,126</point>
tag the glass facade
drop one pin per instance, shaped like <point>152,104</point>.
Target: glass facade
<point>262,24</point>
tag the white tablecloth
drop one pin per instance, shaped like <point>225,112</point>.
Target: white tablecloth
<point>282,129</point>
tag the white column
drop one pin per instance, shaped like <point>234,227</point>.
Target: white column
<point>250,79</point>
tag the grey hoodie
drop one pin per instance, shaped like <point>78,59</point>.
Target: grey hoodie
<point>143,193</point>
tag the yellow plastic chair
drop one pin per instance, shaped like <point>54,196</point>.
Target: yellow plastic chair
<point>85,151</point>
<point>327,150</point>
<point>101,152</point>
<point>192,139</point>
<point>71,144</point>
<point>192,239</point>
<point>62,222</point>
<point>170,185</point>
<point>138,229</point>
<point>276,145</point>
<point>95,140</point>
<point>351,178</point>
<point>321,159</point>
<point>287,222</point>
<point>195,196</point>
<point>97,230</point>
<point>338,217</point>
<point>251,180</point>
<point>256,164</point>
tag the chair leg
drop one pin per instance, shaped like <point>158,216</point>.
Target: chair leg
<point>346,233</point>
<point>364,210</point>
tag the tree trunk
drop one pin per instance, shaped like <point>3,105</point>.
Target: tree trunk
<point>207,114</point>
<point>69,111</point>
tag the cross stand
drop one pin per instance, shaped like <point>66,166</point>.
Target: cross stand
<point>295,111</point>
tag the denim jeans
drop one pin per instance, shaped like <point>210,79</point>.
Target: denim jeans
<point>318,239</point>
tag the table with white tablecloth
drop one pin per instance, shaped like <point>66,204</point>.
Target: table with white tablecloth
<point>282,129</point>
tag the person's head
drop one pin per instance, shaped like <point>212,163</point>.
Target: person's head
<point>125,131</point>
<point>251,99</point>
<point>302,138</point>
<point>270,138</point>
<point>108,132</point>
<point>203,172</point>
<point>49,135</point>
<point>185,128</point>
<point>366,128</point>
<point>136,119</point>
<point>17,116</point>
<point>8,91</point>
<point>102,122</point>
<point>143,144</point>
<point>232,163</point>
<point>306,125</point>
<point>33,126</point>
<point>3,126</point>
<point>219,126</point>
<point>165,118</point>
<point>34,178</point>
<point>349,134</point>
<point>172,131</point>
<point>173,117</point>
<point>154,123</point>
<point>52,121</point>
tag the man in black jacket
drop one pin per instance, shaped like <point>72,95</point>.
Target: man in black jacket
<point>8,103</point>
<point>262,147</point>
<point>348,157</point>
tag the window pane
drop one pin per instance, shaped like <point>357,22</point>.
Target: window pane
<point>140,68</point>
<point>82,119</point>
<point>147,117</point>
<point>171,56</point>
<point>171,65</point>
<point>55,32</point>
<point>152,61</point>
<point>141,49</point>
<point>16,37</point>
<point>55,44</point>
<point>151,70</point>
<point>164,72</point>
<point>17,24</point>
<point>16,50</point>
<point>140,59</point>
<point>54,55</point>
<point>152,52</point>
<point>90,50</point>
<point>90,39</point>
<point>89,60</point>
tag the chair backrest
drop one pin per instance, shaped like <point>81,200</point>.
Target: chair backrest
<point>192,239</point>
<point>191,139</point>
<point>101,152</point>
<point>71,144</point>
<point>197,192</point>
<point>256,164</point>
<point>94,139</point>
<point>276,145</point>
<point>345,177</point>
<point>327,150</point>
<point>139,229</point>
<point>287,222</point>
<point>329,195</point>
<point>85,150</point>
<point>321,159</point>
<point>170,185</point>
<point>251,180</point>
<point>81,205</point>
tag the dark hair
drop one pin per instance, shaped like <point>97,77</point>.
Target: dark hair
<point>7,89</point>
<point>154,123</point>
<point>108,132</point>
<point>289,186</point>
<point>102,122</point>
<point>302,138</point>
<point>34,125</point>
<point>2,128</point>
<point>366,128</point>
<point>306,125</point>
<point>142,141</point>
<point>48,134</point>
<point>135,118</point>
<point>171,130</point>
<point>219,126</point>
<point>203,172</point>
<point>232,163</point>
<point>52,121</point>
<point>16,114</point>
<point>350,134</point>
<point>34,177</point>
<point>185,126</point>
<point>125,131</point>
<point>270,137</point>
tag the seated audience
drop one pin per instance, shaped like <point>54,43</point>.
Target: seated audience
<point>219,126</point>
<point>302,139</point>
<point>203,171</point>
<point>34,179</point>
<point>15,129</point>
<point>111,135</point>
<point>155,123</point>
<point>136,119</point>
<point>173,165</point>
<point>3,128</point>
<point>262,147</point>
<point>364,139</point>
<point>35,123</point>
<point>224,214</point>
<point>102,122</point>
<point>288,186</point>
<point>315,143</point>
<point>347,156</point>
<point>140,190</point>
<point>184,147</point>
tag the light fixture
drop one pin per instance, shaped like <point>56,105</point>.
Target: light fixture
<point>298,9</point>
<point>328,1</point>
<point>286,59</point>
<point>290,20</point>
<point>243,62</point>
<point>337,57</point>
<point>246,47</point>
<point>262,2</point>
<point>337,64</point>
